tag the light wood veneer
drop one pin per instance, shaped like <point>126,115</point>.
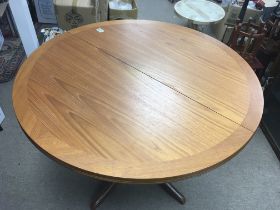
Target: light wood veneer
<point>142,102</point>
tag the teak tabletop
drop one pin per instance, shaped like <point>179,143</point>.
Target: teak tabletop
<point>137,101</point>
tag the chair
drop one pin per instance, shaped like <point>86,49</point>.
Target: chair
<point>270,49</point>
<point>273,26</point>
<point>246,40</point>
<point>271,43</point>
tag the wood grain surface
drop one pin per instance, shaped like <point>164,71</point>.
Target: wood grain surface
<point>142,102</point>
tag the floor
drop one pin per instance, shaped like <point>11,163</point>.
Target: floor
<point>31,181</point>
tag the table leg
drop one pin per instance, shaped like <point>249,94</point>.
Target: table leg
<point>168,187</point>
<point>104,193</point>
<point>172,191</point>
<point>192,25</point>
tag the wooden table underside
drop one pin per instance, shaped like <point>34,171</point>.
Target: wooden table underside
<point>142,102</point>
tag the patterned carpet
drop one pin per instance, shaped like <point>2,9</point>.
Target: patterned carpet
<point>11,56</point>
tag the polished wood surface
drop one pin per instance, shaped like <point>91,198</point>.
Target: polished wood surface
<point>142,102</point>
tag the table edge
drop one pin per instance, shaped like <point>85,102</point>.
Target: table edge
<point>121,179</point>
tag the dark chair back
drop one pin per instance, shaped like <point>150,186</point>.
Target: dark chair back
<point>247,39</point>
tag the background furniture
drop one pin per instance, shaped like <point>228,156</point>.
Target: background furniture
<point>267,3</point>
<point>270,6</point>
<point>271,119</point>
<point>73,13</point>
<point>270,48</point>
<point>4,11</point>
<point>246,40</point>
<point>160,109</point>
<point>117,14</point>
<point>44,11</point>
<point>199,11</point>
<point>223,29</point>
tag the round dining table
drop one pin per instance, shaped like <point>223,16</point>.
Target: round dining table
<point>136,101</point>
<point>270,3</point>
<point>199,12</point>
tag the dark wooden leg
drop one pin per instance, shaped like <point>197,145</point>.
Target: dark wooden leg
<point>172,191</point>
<point>107,189</point>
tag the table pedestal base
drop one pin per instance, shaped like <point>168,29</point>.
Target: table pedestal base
<point>168,187</point>
<point>172,191</point>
